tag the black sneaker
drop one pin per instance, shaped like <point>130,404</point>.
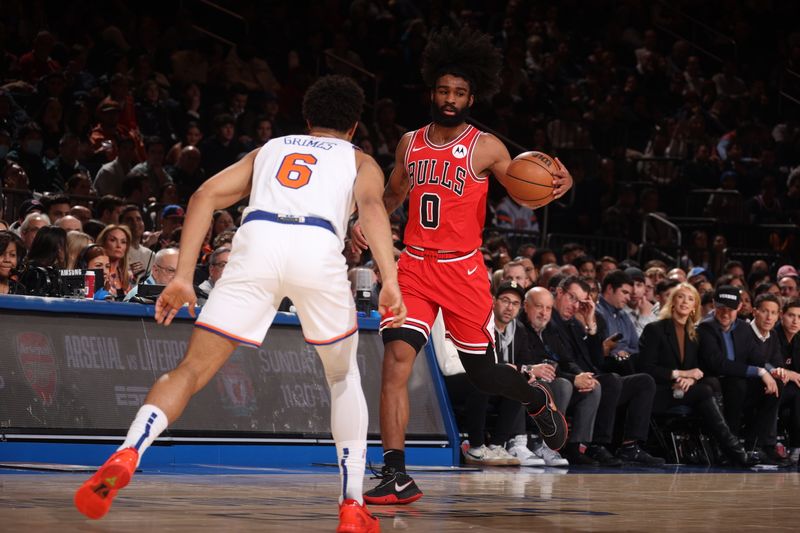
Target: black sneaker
<point>574,453</point>
<point>551,423</point>
<point>767,455</point>
<point>634,454</point>
<point>395,488</point>
<point>600,453</point>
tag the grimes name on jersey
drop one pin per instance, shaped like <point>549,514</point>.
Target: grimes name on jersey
<point>305,142</point>
<point>437,172</point>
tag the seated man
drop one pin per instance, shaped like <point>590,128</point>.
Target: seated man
<point>616,291</point>
<point>729,350</point>
<point>576,392</point>
<point>786,335</point>
<point>507,303</point>
<point>164,268</point>
<point>216,265</point>
<point>576,336</point>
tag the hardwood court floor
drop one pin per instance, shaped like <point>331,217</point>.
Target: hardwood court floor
<point>492,500</point>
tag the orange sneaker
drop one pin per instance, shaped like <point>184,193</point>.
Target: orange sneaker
<point>95,496</point>
<point>355,518</point>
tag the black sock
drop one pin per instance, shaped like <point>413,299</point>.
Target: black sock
<point>395,459</point>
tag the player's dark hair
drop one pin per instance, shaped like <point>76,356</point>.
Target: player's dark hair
<point>333,102</point>
<point>466,54</point>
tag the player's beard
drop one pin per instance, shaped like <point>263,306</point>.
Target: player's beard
<point>448,121</point>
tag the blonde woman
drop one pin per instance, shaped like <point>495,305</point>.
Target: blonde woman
<point>116,239</point>
<point>668,351</point>
<point>76,242</point>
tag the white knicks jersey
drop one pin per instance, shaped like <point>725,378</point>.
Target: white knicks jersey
<point>303,175</point>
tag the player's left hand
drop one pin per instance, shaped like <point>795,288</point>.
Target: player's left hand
<point>174,296</point>
<point>390,303</point>
<point>562,180</point>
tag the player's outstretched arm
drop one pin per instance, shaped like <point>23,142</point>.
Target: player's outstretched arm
<point>395,193</point>
<point>375,225</point>
<point>220,191</point>
<point>492,155</point>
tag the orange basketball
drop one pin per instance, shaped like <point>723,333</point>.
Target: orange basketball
<point>529,180</point>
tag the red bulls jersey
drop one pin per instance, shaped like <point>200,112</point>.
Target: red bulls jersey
<point>447,200</point>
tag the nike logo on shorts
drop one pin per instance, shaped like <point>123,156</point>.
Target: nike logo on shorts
<point>471,271</point>
<point>401,488</point>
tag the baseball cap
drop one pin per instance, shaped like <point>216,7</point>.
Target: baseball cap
<point>635,274</point>
<point>172,211</point>
<point>787,270</point>
<point>727,295</point>
<point>697,271</point>
<point>510,286</point>
<point>28,206</point>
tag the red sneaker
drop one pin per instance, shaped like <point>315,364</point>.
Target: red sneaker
<point>95,496</point>
<point>355,518</point>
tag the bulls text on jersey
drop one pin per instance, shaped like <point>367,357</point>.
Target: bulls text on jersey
<point>435,172</point>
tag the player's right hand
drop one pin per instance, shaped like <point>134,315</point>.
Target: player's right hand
<point>390,303</point>
<point>175,295</point>
<point>357,239</point>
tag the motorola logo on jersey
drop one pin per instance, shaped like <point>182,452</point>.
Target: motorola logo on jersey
<point>459,151</point>
<point>435,172</point>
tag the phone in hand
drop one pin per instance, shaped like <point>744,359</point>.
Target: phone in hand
<point>616,337</point>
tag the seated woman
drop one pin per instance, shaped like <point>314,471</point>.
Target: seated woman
<point>47,255</point>
<point>94,257</point>
<point>116,240</point>
<point>11,252</point>
<point>668,351</point>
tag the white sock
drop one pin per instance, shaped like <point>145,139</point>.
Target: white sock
<point>352,456</point>
<point>149,423</point>
<point>349,415</point>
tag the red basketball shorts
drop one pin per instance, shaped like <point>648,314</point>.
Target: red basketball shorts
<point>455,282</point>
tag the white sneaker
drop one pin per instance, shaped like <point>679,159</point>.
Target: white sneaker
<point>551,457</point>
<point>485,456</point>
<point>501,453</point>
<point>794,455</point>
<point>518,447</point>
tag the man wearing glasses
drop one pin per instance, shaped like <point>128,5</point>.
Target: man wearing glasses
<point>164,267</point>
<point>216,265</point>
<point>576,336</point>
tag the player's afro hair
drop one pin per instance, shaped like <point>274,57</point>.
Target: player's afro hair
<point>333,102</point>
<point>466,54</point>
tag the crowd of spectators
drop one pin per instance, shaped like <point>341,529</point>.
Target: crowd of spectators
<point>111,115</point>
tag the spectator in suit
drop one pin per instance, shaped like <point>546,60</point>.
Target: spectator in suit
<point>668,351</point>
<point>575,391</point>
<point>577,334</point>
<point>730,351</point>
<point>786,334</point>
<point>763,426</point>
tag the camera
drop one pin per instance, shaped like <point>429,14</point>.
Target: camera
<point>41,281</point>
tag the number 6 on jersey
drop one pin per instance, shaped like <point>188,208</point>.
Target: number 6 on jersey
<point>295,170</point>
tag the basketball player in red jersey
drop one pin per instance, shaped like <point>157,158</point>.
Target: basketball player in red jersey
<point>444,168</point>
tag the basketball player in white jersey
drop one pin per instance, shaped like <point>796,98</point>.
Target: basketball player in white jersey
<point>302,190</point>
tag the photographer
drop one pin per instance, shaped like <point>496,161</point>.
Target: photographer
<point>47,255</point>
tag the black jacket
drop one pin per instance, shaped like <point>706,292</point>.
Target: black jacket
<point>789,351</point>
<point>659,354</point>
<point>713,357</point>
